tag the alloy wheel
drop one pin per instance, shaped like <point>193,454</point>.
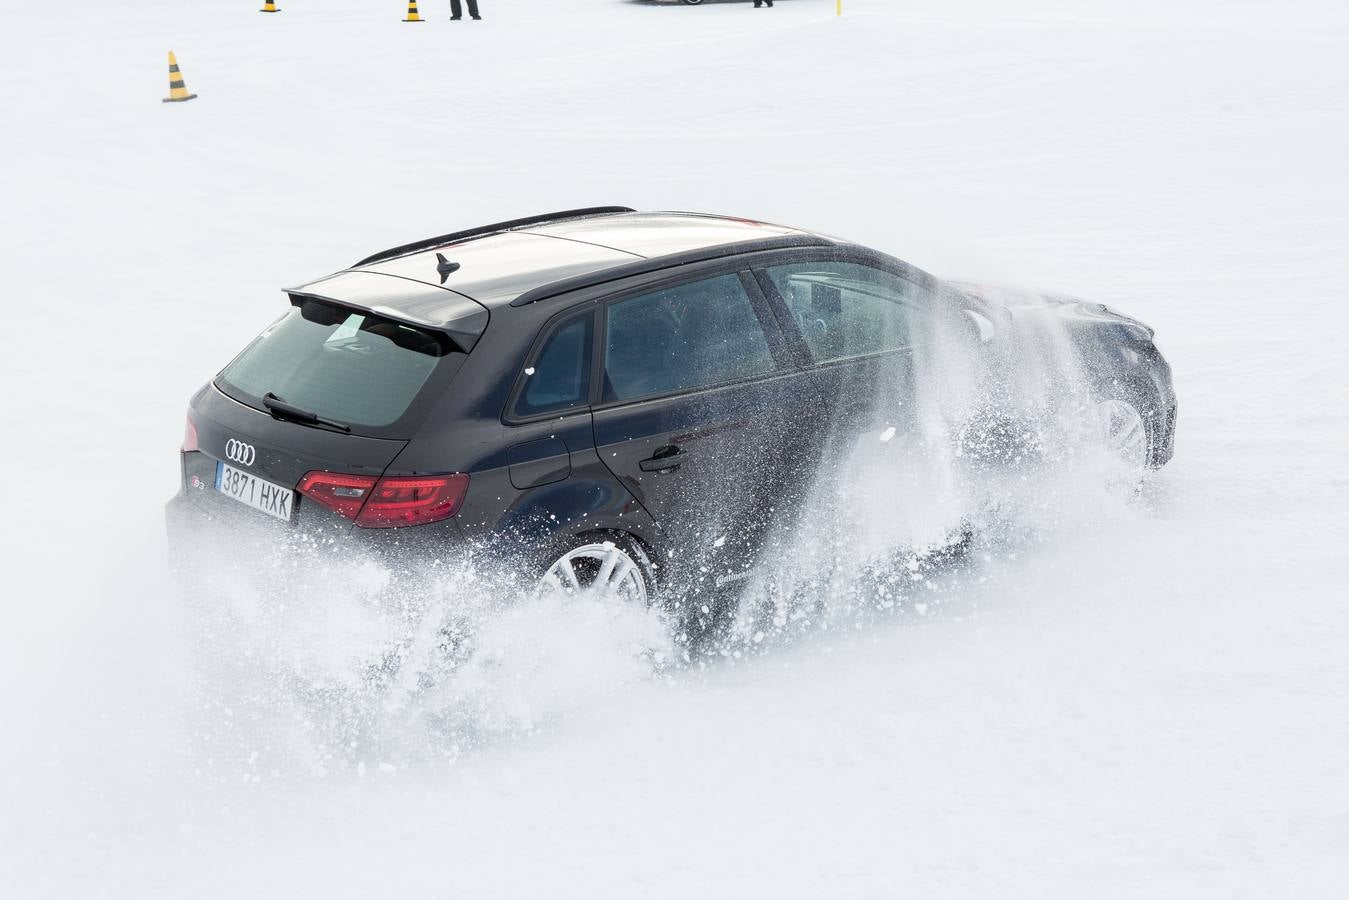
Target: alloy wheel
<point>1123,432</point>
<point>603,569</point>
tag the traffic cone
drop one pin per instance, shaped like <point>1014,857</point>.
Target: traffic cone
<point>270,6</point>
<point>413,15</point>
<point>177,89</point>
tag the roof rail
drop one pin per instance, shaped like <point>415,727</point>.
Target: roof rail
<point>669,261</point>
<point>441,240</point>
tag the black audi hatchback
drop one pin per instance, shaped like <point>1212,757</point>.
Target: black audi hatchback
<point>602,397</point>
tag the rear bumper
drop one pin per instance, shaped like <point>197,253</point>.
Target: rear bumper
<point>203,527</point>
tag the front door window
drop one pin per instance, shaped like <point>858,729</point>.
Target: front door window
<point>845,310</point>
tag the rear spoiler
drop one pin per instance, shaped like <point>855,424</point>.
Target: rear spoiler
<point>460,318</point>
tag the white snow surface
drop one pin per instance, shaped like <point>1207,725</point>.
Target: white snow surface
<point>1150,701</point>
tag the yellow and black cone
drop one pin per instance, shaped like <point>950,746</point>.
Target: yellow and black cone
<point>177,89</point>
<point>413,15</point>
<point>270,6</point>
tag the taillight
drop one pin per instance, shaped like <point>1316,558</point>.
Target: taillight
<point>190,437</point>
<point>343,494</point>
<point>389,502</point>
<point>413,500</point>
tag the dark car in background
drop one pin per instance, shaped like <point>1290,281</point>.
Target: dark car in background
<point>599,396</point>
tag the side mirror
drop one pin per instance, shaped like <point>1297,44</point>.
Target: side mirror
<point>983,325</point>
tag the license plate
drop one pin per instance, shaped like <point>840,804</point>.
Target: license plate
<point>250,490</point>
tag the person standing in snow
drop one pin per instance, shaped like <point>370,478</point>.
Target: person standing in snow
<point>457,12</point>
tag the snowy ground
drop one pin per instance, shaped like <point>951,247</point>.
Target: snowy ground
<point>1153,703</point>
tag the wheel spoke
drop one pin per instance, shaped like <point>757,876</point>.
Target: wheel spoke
<point>1131,436</point>
<point>620,575</point>
<point>611,557</point>
<point>1123,431</point>
<point>1128,439</point>
<point>569,574</point>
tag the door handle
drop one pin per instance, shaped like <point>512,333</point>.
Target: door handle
<point>666,459</point>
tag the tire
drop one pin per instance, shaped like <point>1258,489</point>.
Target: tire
<point>609,564</point>
<point>1139,395</point>
<point>1124,432</point>
<point>1123,416</point>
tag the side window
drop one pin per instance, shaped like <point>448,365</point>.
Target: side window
<point>847,309</point>
<point>559,379</point>
<point>685,337</point>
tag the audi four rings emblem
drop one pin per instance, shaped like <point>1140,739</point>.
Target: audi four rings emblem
<point>238,451</point>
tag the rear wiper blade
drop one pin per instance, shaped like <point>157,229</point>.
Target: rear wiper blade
<point>282,410</point>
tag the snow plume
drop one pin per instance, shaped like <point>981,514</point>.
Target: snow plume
<point>335,666</point>
<point>972,452</point>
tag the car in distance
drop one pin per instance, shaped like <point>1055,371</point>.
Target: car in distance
<point>602,397</point>
<point>688,2</point>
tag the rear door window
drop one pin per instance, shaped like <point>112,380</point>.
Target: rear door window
<point>559,377</point>
<point>845,310</point>
<point>355,368</point>
<point>682,338</point>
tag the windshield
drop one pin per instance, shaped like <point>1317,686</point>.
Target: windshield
<point>350,367</point>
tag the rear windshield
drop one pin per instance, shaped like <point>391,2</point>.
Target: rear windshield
<point>350,367</point>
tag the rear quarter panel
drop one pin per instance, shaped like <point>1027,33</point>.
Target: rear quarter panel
<point>465,432</point>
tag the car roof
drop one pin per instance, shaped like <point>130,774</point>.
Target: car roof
<point>496,268</point>
<point>500,264</point>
